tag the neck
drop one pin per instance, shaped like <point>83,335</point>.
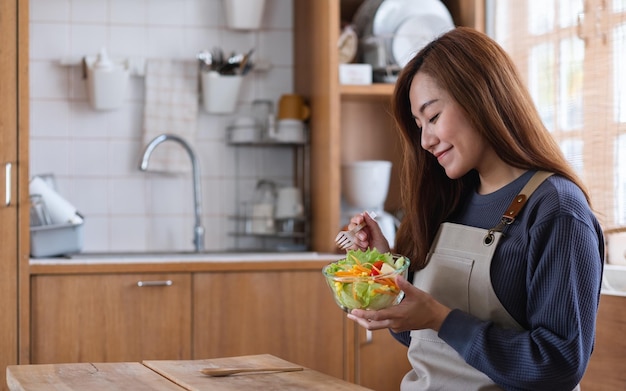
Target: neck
<point>498,176</point>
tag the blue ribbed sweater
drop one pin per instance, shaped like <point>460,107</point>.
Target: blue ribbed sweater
<point>546,272</point>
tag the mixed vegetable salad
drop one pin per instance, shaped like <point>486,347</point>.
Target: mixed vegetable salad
<point>366,279</point>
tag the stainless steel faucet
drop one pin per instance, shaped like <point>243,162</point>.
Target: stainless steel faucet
<point>198,230</point>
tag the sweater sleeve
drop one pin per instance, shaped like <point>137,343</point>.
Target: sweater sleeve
<point>564,268</point>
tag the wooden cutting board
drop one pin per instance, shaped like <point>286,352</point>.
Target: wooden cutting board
<point>86,376</point>
<point>187,374</point>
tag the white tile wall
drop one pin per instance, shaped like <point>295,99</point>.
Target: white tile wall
<point>94,155</point>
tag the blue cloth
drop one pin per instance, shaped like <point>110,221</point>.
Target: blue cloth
<point>547,273</point>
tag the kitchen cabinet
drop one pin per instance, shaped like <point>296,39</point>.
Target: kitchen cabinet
<point>200,310</point>
<point>606,367</point>
<point>13,173</point>
<point>287,313</point>
<point>347,122</point>
<point>110,317</point>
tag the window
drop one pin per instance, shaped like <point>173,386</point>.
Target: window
<point>572,54</point>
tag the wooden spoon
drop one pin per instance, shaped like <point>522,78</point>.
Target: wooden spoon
<point>231,371</point>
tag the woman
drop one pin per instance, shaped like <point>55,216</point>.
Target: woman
<point>498,301</point>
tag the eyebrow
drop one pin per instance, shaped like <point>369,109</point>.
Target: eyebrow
<point>425,105</point>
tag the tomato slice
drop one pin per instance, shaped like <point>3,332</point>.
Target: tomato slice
<point>376,268</point>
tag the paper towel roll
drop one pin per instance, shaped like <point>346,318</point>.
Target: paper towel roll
<point>60,211</point>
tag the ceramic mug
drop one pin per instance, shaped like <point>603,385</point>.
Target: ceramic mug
<point>292,106</point>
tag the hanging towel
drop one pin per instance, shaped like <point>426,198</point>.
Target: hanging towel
<point>171,106</point>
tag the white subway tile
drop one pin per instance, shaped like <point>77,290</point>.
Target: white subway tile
<point>166,12</point>
<point>49,155</point>
<point>49,10</point>
<point>89,11</point>
<point>129,233</point>
<point>89,158</point>
<point>49,119</point>
<point>90,196</point>
<point>127,196</point>
<point>127,41</point>
<point>49,41</point>
<point>88,39</point>
<point>129,12</point>
<point>96,231</point>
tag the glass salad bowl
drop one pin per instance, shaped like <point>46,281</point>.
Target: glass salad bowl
<point>366,279</point>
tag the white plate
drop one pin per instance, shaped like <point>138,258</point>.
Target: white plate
<point>417,23</point>
<point>415,33</point>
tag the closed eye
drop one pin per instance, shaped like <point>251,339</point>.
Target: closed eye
<point>434,119</point>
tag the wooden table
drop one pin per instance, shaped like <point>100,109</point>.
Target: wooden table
<point>174,375</point>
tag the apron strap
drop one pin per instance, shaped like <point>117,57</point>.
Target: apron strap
<point>518,203</point>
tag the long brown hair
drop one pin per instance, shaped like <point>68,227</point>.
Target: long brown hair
<point>482,78</point>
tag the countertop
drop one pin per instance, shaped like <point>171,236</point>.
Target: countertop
<point>180,262</point>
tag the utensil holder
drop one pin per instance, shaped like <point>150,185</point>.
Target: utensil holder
<point>244,14</point>
<point>106,88</point>
<point>220,92</point>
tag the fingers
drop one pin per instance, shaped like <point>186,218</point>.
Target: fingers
<point>369,324</point>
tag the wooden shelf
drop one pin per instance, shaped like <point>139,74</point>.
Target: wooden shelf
<point>374,91</point>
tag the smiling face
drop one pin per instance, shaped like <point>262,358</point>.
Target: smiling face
<point>446,131</point>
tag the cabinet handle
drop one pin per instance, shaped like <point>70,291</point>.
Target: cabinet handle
<point>369,336</point>
<point>142,284</point>
<point>7,185</point>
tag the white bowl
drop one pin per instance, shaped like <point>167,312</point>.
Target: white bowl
<point>290,131</point>
<point>245,134</point>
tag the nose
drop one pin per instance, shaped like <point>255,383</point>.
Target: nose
<point>428,138</point>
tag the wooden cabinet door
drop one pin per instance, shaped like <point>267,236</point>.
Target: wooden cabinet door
<point>290,314</point>
<point>606,367</point>
<point>13,171</point>
<point>110,318</point>
<point>381,360</point>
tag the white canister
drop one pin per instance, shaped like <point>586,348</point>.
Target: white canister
<point>107,81</point>
<point>289,203</point>
<point>263,218</point>
<point>244,14</point>
<point>220,92</point>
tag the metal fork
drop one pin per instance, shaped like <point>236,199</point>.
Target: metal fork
<point>346,239</point>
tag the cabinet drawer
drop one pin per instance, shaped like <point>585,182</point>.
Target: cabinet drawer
<point>110,317</point>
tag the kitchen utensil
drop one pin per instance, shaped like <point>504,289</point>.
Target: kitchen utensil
<point>246,64</point>
<point>292,106</point>
<point>346,239</point>
<point>215,372</point>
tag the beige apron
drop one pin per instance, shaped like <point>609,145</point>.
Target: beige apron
<point>458,275</point>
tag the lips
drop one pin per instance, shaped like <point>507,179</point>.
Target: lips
<point>439,155</point>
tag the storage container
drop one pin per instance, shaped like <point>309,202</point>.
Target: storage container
<point>56,239</point>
